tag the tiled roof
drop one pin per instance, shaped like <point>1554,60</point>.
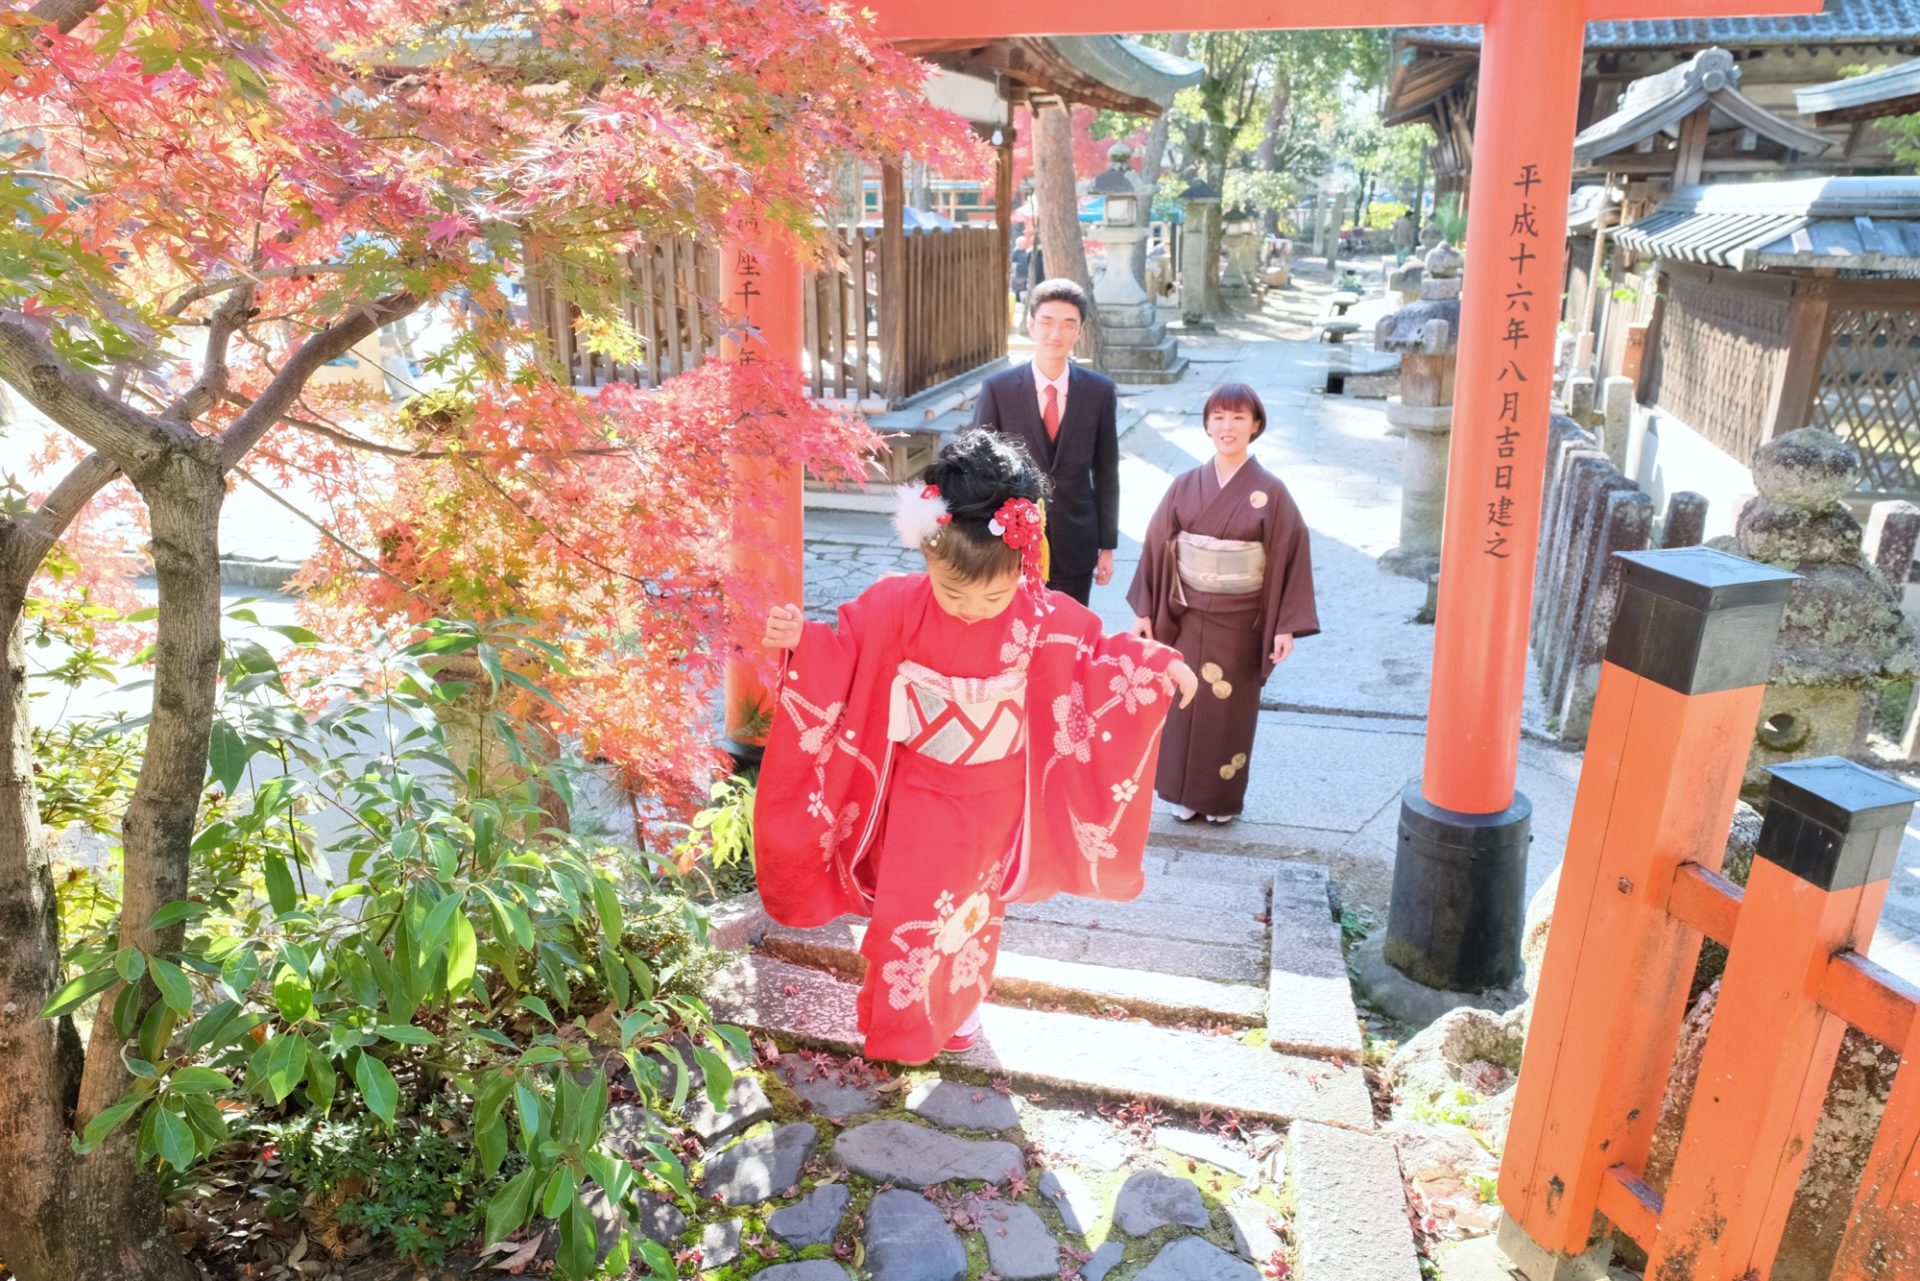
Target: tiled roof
<point>1843,22</point>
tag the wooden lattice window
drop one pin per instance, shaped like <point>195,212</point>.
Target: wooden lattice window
<point>1723,341</point>
<point>1869,391</point>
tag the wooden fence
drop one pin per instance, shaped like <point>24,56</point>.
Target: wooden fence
<point>875,327</point>
<point>1640,887</point>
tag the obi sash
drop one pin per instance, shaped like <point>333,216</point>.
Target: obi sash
<point>958,720</point>
<point>1222,566</point>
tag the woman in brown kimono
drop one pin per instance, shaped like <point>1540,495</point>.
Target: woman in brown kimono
<point>1227,579</point>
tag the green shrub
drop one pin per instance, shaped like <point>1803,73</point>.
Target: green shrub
<point>381,948</point>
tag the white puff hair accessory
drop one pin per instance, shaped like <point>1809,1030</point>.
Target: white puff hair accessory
<point>920,516</point>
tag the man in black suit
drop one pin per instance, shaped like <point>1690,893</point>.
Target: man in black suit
<point>1065,416</point>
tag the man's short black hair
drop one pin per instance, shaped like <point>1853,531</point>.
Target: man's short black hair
<point>1059,289</point>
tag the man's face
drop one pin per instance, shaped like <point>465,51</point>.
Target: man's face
<point>1056,328</point>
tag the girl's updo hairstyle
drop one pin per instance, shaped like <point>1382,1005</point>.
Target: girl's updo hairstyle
<point>977,472</point>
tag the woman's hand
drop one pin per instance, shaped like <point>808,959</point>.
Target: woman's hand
<point>1183,677</point>
<point>783,627</point>
<point>1143,628</point>
<point>1282,646</point>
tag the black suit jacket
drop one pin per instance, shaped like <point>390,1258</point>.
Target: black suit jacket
<point>1083,516</point>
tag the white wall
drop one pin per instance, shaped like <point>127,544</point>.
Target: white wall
<point>1664,456</point>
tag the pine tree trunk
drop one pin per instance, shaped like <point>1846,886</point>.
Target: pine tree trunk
<point>1057,201</point>
<point>100,1216</point>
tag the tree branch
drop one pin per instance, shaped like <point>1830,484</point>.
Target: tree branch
<point>329,344</point>
<point>64,15</point>
<point>76,402</point>
<point>33,535</point>
<point>208,288</point>
<point>205,393</point>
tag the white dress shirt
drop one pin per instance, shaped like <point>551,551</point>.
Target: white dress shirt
<point>1040,385</point>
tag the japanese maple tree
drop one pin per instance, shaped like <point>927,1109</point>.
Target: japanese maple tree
<point>209,200</point>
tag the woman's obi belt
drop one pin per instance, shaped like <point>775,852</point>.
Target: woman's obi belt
<point>1223,566</point>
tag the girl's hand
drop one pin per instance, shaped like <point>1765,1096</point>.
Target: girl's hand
<point>1143,628</point>
<point>1282,646</point>
<point>1183,677</point>
<point>783,627</point>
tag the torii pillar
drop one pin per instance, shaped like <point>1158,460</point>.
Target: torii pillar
<point>1459,879</point>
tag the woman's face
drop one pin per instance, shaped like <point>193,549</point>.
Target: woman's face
<point>1231,431</point>
<point>973,602</point>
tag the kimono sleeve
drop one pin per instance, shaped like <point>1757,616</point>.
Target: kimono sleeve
<point>799,808</point>
<point>1289,605</point>
<point>1098,721</point>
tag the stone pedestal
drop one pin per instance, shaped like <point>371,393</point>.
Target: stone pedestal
<point>1279,266</point>
<point>1242,274</point>
<point>1425,334</point>
<point>1193,259</point>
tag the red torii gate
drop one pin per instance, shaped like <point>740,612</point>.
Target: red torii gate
<point>1465,809</point>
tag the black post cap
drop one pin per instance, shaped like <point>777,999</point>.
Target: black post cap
<point>1834,824</point>
<point>1697,620</point>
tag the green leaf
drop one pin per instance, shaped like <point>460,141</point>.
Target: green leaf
<point>198,1080</point>
<point>659,1262</point>
<point>322,1080</point>
<point>240,971</point>
<point>298,635</point>
<point>175,990</point>
<point>718,1072</point>
<point>579,1243</point>
<point>539,1007</point>
<point>463,951</point>
<point>560,1189</point>
<point>75,991</point>
<point>377,1086</point>
<point>279,1066</point>
<point>279,884</point>
<point>126,1009</point>
<point>507,1211</point>
<point>172,1139</point>
<point>292,995</point>
<point>607,900</point>
<point>130,963</point>
<point>106,1123</point>
<point>176,912</point>
<point>227,757</point>
<point>206,1030</point>
<point>405,1034</point>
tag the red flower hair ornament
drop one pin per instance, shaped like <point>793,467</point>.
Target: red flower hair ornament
<point>1018,523</point>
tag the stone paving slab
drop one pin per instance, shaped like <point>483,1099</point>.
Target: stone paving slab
<point>908,1239</point>
<point>1162,920</point>
<point>1196,1259</point>
<point>1187,1070</point>
<point>1078,985</point>
<point>919,1156</point>
<point>1309,998</point>
<point>1350,1207</point>
<point>1235,869</point>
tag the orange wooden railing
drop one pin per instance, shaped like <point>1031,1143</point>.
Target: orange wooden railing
<point>1639,889</point>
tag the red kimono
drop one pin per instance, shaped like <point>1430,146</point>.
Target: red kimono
<point>924,772</point>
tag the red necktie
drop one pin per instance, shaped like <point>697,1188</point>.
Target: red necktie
<point>1051,415</point>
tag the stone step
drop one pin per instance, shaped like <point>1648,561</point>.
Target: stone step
<point>1221,963</point>
<point>1309,997</point>
<point>1017,976</point>
<point>1190,1071</point>
<point>1242,928</point>
<point>1350,1207</point>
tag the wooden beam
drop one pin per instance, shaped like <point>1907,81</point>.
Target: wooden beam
<point>920,20</point>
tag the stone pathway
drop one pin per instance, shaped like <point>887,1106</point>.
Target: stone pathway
<point>1124,1115</point>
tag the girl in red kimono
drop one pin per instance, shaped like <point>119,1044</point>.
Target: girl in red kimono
<point>964,738</point>
<point>1226,577</point>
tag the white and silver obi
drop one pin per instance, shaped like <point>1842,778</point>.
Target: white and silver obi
<point>958,720</point>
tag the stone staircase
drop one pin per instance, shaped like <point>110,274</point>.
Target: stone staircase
<point>1221,989</point>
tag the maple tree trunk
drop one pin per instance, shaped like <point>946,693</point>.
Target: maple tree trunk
<point>1058,205</point>
<point>67,1216</point>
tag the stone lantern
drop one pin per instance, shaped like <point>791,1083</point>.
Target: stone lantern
<point>1240,232</point>
<point>1425,333</point>
<point>1197,199</point>
<point>1134,343</point>
<point>1844,637</point>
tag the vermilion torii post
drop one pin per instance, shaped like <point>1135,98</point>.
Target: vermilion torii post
<point>760,283</point>
<point>1464,816</point>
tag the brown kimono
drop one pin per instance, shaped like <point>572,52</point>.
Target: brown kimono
<point>1225,636</point>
